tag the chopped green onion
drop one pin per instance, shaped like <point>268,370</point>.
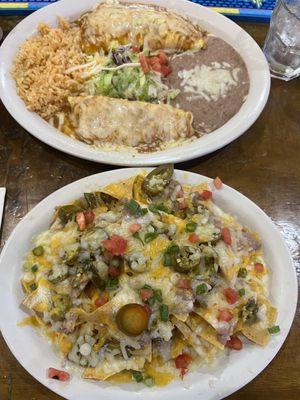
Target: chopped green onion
<point>137,376</point>
<point>34,268</point>
<point>274,329</point>
<point>138,237</point>
<point>168,260</point>
<point>133,207</point>
<point>201,289</point>
<point>158,295</point>
<point>33,286</point>
<point>150,236</point>
<point>146,287</point>
<point>242,273</point>
<point>38,251</point>
<point>112,283</point>
<point>144,211</point>
<point>164,312</point>
<point>191,227</point>
<point>159,207</point>
<point>148,381</point>
<point>172,249</point>
<point>242,292</point>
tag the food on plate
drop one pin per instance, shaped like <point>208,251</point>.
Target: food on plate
<point>145,280</point>
<point>139,58</point>
<point>154,28</point>
<point>95,119</point>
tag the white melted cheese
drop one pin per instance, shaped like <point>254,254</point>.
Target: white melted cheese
<point>209,82</point>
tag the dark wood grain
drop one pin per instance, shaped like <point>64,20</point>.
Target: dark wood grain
<point>263,164</point>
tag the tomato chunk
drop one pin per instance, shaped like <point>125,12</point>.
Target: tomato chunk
<point>59,375</point>
<point>234,343</point>
<point>80,219</point>
<point>135,228</point>
<point>89,217</point>
<point>259,267</point>
<point>136,49</point>
<point>182,204</point>
<point>153,60</point>
<point>218,183</point>
<point>163,58</point>
<point>101,300</point>
<point>193,238</point>
<point>144,63</point>
<point>166,70</point>
<point>231,295</point>
<point>146,294</point>
<point>113,271</point>
<point>184,283</point>
<point>116,245</point>
<point>206,194</point>
<point>226,236</point>
<point>156,67</point>
<point>182,362</point>
<point>225,315</point>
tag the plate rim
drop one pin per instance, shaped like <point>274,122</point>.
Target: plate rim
<point>120,174</point>
<point>40,129</point>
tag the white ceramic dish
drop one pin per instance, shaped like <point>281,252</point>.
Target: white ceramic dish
<point>212,21</point>
<point>236,371</point>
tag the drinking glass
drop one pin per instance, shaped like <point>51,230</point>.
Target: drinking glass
<point>282,44</point>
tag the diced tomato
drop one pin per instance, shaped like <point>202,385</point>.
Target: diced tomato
<point>231,295</point>
<point>206,194</point>
<point>218,183</point>
<point>163,58</point>
<point>59,375</point>
<point>89,217</point>
<point>113,271</point>
<point>182,362</point>
<point>136,49</point>
<point>234,343</point>
<point>182,204</point>
<point>225,315</point>
<point>144,63</point>
<point>226,236</point>
<point>166,70</point>
<point>116,245</point>
<point>156,67</point>
<point>146,294</point>
<point>193,238</point>
<point>259,267</point>
<point>135,228</point>
<point>80,219</point>
<point>102,299</point>
<point>153,60</point>
<point>184,283</point>
<point>148,308</point>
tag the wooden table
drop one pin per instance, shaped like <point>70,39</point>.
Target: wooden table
<point>263,164</point>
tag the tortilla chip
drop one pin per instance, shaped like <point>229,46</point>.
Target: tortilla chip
<point>121,189</point>
<point>203,348</point>
<point>112,367</point>
<point>137,192</point>
<point>256,332</point>
<point>204,330</point>
<point>40,299</point>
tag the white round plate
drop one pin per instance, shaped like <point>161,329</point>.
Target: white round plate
<point>231,374</point>
<point>215,23</point>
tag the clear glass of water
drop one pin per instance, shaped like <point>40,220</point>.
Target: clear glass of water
<point>282,44</point>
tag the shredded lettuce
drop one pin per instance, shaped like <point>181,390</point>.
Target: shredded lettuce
<point>130,83</point>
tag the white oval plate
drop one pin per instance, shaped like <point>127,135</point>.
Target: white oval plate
<point>235,371</point>
<point>212,21</point>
